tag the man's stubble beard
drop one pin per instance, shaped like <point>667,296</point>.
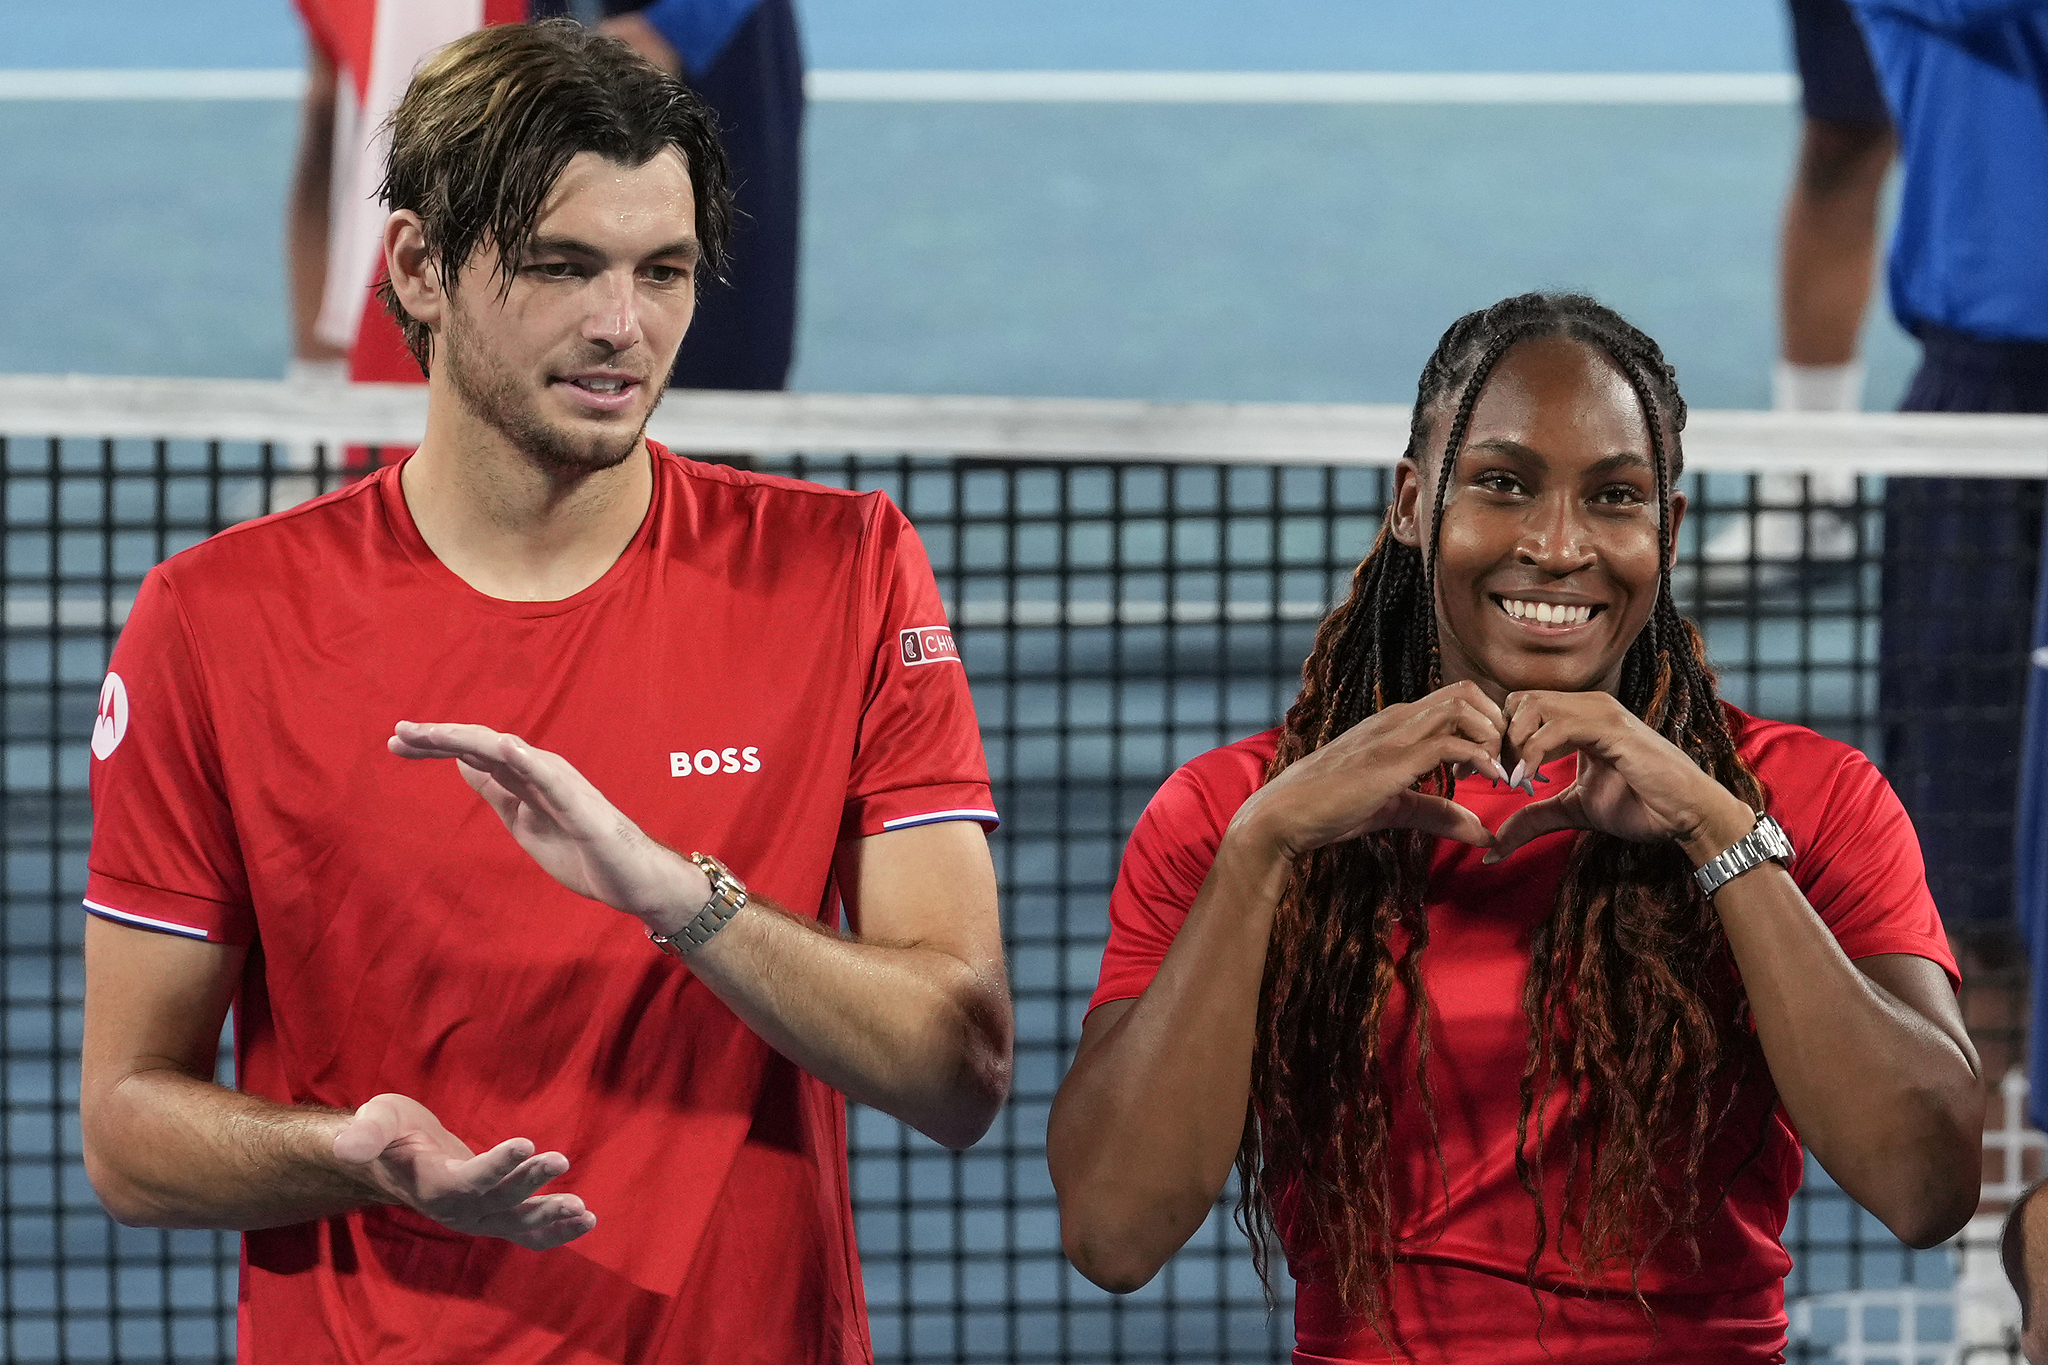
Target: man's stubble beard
<point>494,395</point>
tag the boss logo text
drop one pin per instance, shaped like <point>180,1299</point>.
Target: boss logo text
<point>705,762</point>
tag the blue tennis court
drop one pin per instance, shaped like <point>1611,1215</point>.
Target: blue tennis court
<point>1296,252</point>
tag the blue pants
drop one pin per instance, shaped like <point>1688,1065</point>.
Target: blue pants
<point>744,335</point>
<point>1961,561</point>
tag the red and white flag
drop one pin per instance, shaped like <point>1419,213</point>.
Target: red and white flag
<point>376,46</point>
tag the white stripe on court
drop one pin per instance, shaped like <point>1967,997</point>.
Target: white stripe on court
<point>1050,87</point>
<point>152,85</point>
<point>1303,87</point>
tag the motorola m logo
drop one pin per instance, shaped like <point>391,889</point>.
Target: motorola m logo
<point>706,762</point>
<point>111,724</point>
<point>928,645</point>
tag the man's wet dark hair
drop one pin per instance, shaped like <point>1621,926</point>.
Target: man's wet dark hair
<point>491,120</point>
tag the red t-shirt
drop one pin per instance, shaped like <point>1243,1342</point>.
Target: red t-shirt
<point>738,682</point>
<point>1461,1288</point>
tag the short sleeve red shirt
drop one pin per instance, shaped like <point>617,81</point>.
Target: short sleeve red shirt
<point>765,672</point>
<point>1461,1288</point>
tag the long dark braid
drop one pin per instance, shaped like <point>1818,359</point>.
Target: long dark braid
<point>1631,998</point>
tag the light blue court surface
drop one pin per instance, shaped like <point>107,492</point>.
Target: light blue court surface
<point>1253,252</point>
<point>1202,35</point>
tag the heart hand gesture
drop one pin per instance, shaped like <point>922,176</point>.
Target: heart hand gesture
<point>1632,782</point>
<point>1364,780</point>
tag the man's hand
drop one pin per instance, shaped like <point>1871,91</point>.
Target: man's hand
<point>1363,780</point>
<point>408,1154</point>
<point>1632,782</point>
<point>582,840</point>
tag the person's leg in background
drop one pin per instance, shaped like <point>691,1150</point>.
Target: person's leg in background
<point>1827,267</point>
<point>1961,564</point>
<point>1827,263</point>
<point>744,337</point>
<point>1827,256</point>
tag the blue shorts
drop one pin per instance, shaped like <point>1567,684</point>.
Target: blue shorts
<point>1837,82</point>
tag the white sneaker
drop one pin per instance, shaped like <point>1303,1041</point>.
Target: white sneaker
<point>1783,537</point>
<point>1779,531</point>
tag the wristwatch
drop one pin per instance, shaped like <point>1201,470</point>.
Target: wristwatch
<point>728,898</point>
<point>1765,843</point>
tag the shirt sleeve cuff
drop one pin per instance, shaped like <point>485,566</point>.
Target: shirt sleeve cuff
<point>166,912</point>
<point>909,807</point>
<point>1912,945</point>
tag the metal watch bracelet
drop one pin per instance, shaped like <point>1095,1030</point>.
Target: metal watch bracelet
<point>728,898</point>
<point>1765,842</point>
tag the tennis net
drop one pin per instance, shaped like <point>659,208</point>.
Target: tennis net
<point>1131,584</point>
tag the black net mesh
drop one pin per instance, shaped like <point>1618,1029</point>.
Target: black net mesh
<point>1116,620</point>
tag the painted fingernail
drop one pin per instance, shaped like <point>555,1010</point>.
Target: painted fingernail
<point>1521,771</point>
<point>1502,771</point>
<point>1529,786</point>
<point>1538,777</point>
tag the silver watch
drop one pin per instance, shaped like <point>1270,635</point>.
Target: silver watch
<point>1765,843</point>
<point>728,898</point>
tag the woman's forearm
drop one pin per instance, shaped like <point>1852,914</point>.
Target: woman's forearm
<point>1148,1121</point>
<point>1888,1099</point>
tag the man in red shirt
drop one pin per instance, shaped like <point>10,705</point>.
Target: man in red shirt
<point>481,1116</point>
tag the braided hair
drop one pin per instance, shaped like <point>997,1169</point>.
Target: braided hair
<point>1633,1008</point>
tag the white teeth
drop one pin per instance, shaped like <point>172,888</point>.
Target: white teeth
<point>603,385</point>
<point>1546,613</point>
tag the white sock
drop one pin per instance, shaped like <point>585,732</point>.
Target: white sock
<point>1817,388</point>
<point>303,371</point>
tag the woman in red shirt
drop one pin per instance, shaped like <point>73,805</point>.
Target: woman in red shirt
<point>1516,1073</point>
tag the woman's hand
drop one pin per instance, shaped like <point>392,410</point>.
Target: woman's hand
<point>1632,782</point>
<point>1364,779</point>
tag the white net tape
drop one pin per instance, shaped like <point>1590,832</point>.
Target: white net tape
<point>996,428</point>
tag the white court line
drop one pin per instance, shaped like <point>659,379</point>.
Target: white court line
<point>1050,87</point>
<point>1304,87</point>
<point>152,85</point>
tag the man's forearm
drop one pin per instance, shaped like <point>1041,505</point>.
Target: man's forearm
<point>910,1030</point>
<point>166,1149</point>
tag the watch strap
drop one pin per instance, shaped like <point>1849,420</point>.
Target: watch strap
<point>728,898</point>
<point>1765,842</point>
